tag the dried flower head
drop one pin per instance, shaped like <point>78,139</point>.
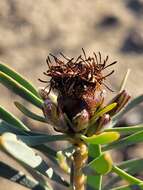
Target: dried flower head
<point>79,82</point>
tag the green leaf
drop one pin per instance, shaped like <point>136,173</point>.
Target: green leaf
<point>94,150</point>
<point>131,139</point>
<point>6,127</point>
<point>17,77</point>
<point>130,106</point>
<point>20,90</point>
<point>131,163</point>
<point>20,151</point>
<point>92,124</point>
<point>41,139</point>
<point>132,166</point>
<point>126,130</point>
<point>19,177</point>
<point>28,113</point>
<point>49,152</point>
<point>94,181</point>
<point>11,119</point>
<point>124,175</point>
<point>103,111</point>
<point>102,164</point>
<point>103,138</point>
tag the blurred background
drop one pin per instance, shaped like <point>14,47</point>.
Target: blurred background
<point>30,30</point>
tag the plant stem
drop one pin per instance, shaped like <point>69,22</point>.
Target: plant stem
<point>80,157</point>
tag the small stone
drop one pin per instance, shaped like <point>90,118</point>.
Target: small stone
<point>133,42</point>
<point>109,21</point>
<point>136,6</point>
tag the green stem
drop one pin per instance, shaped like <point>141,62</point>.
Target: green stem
<point>126,176</point>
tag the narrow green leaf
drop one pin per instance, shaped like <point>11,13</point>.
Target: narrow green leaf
<point>20,151</point>
<point>102,164</point>
<point>132,167</point>
<point>124,175</point>
<point>94,181</point>
<point>126,130</point>
<point>17,77</point>
<point>49,152</point>
<point>11,119</point>
<point>19,177</point>
<point>94,150</point>
<point>92,124</point>
<point>104,110</point>
<point>20,90</point>
<point>130,106</point>
<point>131,139</point>
<point>103,138</point>
<point>131,163</point>
<point>41,139</point>
<point>28,113</point>
<point>6,127</point>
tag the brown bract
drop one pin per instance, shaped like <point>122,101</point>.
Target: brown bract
<point>79,82</point>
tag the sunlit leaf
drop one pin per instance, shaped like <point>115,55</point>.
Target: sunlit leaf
<point>6,127</point>
<point>103,111</point>
<point>124,175</point>
<point>103,138</point>
<point>19,177</point>
<point>19,150</point>
<point>126,130</point>
<point>102,164</point>
<point>132,166</point>
<point>20,79</point>
<point>11,119</point>
<point>20,90</point>
<point>131,139</point>
<point>94,181</point>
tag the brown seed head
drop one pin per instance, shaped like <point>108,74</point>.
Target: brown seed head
<point>79,82</point>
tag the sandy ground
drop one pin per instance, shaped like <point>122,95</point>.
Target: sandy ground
<point>30,30</point>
